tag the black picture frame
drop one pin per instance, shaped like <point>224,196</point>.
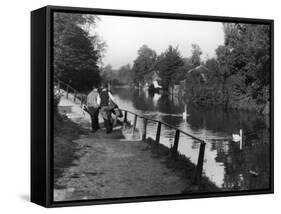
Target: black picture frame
<point>42,104</point>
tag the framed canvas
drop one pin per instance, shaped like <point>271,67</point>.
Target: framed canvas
<point>134,106</point>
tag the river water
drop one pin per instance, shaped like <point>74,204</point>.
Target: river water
<point>225,164</point>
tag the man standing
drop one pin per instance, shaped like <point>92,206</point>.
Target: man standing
<point>93,103</point>
<point>106,98</point>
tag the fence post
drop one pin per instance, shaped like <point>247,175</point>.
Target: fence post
<point>81,100</point>
<point>176,142</point>
<point>74,99</point>
<point>125,116</point>
<point>199,167</point>
<point>158,132</point>
<point>144,129</point>
<point>67,89</point>
<point>59,86</point>
<point>135,123</point>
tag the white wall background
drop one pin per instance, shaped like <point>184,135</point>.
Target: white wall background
<point>15,107</point>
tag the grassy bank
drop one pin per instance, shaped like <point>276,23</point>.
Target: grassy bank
<point>183,167</point>
<point>65,131</point>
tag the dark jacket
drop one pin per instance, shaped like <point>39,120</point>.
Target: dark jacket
<point>104,97</point>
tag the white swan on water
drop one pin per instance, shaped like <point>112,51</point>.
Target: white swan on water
<point>184,114</point>
<point>238,138</point>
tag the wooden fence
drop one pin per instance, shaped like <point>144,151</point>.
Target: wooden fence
<point>77,97</point>
<point>200,160</point>
<point>82,98</point>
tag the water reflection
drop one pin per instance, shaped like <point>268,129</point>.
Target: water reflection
<point>225,164</point>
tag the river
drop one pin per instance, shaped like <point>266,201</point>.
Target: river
<point>225,164</point>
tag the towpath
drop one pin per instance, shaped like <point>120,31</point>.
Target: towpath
<point>109,166</point>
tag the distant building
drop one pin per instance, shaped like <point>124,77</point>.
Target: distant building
<point>201,70</point>
<point>153,78</point>
<point>197,76</point>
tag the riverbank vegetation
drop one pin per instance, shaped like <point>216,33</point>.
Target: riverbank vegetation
<point>237,77</point>
<point>65,131</point>
<point>77,51</point>
<point>121,76</point>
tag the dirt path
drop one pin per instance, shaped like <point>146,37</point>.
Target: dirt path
<point>109,167</point>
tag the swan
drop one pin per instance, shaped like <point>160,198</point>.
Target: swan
<point>238,138</point>
<point>184,114</point>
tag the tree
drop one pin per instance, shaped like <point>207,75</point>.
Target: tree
<point>249,45</point>
<point>125,74</point>
<point>244,61</point>
<point>196,55</point>
<point>213,67</point>
<point>76,52</point>
<point>168,63</point>
<point>144,63</point>
<point>107,73</point>
<point>122,76</point>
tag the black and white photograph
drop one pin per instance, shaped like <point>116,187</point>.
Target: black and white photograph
<point>159,107</point>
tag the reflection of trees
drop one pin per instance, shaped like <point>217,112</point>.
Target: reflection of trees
<point>123,93</point>
<point>222,147</point>
<point>255,154</point>
<point>165,105</point>
<point>218,120</point>
<point>234,164</point>
<point>142,102</point>
<point>238,163</point>
<point>175,100</point>
<point>139,98</point>
<point>175,121</point>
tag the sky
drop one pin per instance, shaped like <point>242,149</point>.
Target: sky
<point>125,35</point>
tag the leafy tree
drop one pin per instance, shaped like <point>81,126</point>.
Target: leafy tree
<point>168,63</point>
<point>107,73</point>
<point>239,76</point>
<point>76,52</point>
<point>213,67</point>
<point>223,59</point>
<point>125,74</point>
<point>196,55</point>
<point>249,60</point>
<point>144,63</point>
<point>122,76</point>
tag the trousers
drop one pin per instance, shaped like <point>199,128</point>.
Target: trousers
<point>94,112</point>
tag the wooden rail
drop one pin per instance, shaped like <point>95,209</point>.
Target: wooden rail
<point>82,98</point>
<point>200,160</point>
